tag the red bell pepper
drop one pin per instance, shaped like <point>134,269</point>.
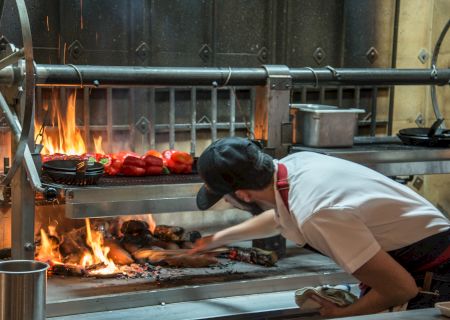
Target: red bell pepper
<point>178,161</point>
<point>134,161</point>
<point>151,160</point>
<point>132,171</point>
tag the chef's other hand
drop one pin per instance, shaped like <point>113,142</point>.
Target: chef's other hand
<point>328,308</point>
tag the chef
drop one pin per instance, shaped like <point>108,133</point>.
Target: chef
<point>395,242</point>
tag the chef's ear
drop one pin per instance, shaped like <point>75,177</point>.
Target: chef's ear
<point>243,195</point>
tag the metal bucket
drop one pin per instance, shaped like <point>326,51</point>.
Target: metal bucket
<point>23,285</point>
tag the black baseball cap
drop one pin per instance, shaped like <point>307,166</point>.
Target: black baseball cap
<point>230,164</point>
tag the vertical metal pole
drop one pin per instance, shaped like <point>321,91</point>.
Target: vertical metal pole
<point>357,96</point>
<point>373,119</point>
<point>22,209</point>
<point>339,96</point>
<point>109,119</point>
<point>172,119</point>
<point>232,112</point>
<point>193,120</point>
<point>152,130</point>
<point>86,118</point>
<point>322,95</point>
<point>304,94</point>
<point>214,114</point>
<point>251,134</point>
<point>272,109</point>
<point>131,120</point>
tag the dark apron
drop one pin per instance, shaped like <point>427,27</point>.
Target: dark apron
<point>428,261</point>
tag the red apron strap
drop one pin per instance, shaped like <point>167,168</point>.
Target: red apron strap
<point>283,184</point>
<point>443,257</point>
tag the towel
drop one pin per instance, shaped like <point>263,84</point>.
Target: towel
<point>339,295</point>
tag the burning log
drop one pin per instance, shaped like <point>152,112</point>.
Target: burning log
<point>117,253</point>
<point>134,227</point>
<point>175,258</point>
<point>191,236</point>
<point>67,270</point>
<point>251,255</point>
<point>73,244</point>
<point>168,233</point>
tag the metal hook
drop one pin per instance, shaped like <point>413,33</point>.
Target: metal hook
<point>79,74</point>
<point>315,76</point>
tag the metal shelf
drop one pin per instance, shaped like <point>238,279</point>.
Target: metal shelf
<point>389,156</point>
<point>114,196</point>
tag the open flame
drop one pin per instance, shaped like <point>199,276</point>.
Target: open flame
<point>48,251</point>
<point>94,239</point>
<point>64,136</point>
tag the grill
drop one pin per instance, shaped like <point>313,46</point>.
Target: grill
<point>266,88</point>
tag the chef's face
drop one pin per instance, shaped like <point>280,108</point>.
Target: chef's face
<point>251,207</point>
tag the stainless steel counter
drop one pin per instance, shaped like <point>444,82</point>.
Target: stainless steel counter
<point>389,156</point>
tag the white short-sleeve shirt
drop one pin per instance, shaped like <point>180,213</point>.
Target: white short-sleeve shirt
<point>349,212</point>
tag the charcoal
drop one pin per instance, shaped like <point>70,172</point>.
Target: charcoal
<point>191,236</point>
<point>67,270</point>
<point>134,227</point>
<point>168,233</point>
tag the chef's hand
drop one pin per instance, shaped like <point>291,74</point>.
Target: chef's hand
<point>204,244</point>
<point>328,308</point>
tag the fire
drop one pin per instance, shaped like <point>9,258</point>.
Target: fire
<point>94,239</point>
<point>69,139</point>
<point>48,251</point>
<point>98,144</point>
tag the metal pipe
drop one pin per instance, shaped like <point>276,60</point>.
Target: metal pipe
<point>174,76</point>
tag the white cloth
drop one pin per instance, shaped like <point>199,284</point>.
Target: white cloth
<point>339,295</point>
<point>348,212</point>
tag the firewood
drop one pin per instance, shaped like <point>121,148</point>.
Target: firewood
<point>67,270</point>
<point>168,233</point>
<point>252,255</point>
<point>117,253</point>
<point>191,261</point>
<point>74,243</point>
<point>134,227</point>
<point>175,258</point>
<point>191,236</point>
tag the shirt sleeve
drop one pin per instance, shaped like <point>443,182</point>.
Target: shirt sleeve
<point>341,235</point>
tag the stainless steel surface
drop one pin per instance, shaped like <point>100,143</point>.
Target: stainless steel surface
<point>22,290</point>
<point>276,305</point>
<point>326,126</point>
<point>272,108</point>
<point>299,269</point>
<point>26,100</point>
<point>128,200</point>
<point>174,76</point>
<point>391,158</point>
<point>16,129</point>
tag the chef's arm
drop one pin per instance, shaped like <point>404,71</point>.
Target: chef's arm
<point>260,226</point>
<point>391,285</point>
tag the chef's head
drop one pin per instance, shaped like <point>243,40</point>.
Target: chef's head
<point>231,164</point>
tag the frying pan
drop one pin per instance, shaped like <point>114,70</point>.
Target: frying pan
<point>73,172</point>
